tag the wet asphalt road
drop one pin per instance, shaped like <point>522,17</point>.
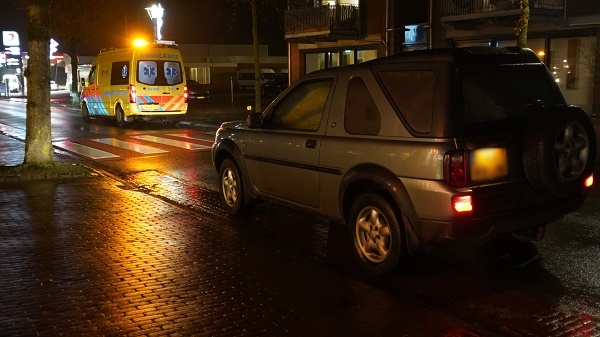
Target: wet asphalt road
<point>157,255</point>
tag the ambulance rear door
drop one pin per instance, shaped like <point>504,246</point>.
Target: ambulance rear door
<point>161,83</point>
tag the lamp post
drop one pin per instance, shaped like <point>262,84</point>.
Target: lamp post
<point>156,14</point>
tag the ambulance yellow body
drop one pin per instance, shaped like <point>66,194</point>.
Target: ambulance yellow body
<point>142,82</point>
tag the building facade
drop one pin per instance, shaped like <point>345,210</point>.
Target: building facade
<point>564,34</point>
<point>324,34</point>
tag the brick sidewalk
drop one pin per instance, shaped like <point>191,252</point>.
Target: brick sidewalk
<point>91,256</point>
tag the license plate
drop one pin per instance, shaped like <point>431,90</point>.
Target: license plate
<point>149,107</point>
<point>489,164</point>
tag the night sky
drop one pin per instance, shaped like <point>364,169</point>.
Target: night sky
<point>185,22</point>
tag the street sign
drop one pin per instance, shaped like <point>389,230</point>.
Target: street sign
<point>10,38</point>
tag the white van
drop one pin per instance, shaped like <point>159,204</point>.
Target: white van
<point>142,82</point>
<point>13,82</point>
<point>245,77</point>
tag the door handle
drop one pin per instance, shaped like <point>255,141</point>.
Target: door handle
<point>311,144</point>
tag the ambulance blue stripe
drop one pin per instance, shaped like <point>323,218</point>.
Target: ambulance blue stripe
<point>95,106</point>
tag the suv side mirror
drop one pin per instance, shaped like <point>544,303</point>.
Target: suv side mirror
<point>254,120</point>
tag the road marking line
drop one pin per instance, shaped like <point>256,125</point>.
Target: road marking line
<point>171,142</point>
<point>85,150</point>
<point>129,146</point>
<point>185,135</point>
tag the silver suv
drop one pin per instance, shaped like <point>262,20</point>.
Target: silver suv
<point>414,148</point>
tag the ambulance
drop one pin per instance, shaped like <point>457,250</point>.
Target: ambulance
<point>146,81</point>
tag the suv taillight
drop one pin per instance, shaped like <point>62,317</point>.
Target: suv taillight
<point>455,168</point>
<point>589,181</point>
<point>132,94</point>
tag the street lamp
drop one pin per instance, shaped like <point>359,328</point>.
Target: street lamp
<point>156,14</point>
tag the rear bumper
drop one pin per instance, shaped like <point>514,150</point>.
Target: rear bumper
<point>469,226</point>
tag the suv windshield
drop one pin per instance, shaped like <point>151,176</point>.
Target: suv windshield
<point>503,93</point>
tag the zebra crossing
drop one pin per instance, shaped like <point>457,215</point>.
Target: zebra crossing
<point>134,145</point>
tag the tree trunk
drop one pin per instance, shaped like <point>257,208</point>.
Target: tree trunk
<point>523,24</point>
<point>38,137</point>
<point>258,107</point>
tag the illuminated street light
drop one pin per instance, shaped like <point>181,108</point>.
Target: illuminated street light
<point>156,14</point>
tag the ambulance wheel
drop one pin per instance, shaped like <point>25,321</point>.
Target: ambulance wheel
<point>85,113</point>
<point>120,117</point>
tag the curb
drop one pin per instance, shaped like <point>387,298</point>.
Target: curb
<point>47,176</point>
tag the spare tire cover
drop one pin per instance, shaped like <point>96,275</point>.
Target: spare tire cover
<point>559,151</point>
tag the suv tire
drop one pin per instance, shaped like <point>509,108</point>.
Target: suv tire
<point>232,188</point>
<point>376,233</point>
<point>559,151</point>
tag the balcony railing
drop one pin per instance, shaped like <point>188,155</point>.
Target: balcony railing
<point>340,18</point>
<point>463,7</point>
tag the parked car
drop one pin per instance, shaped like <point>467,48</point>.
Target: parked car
<point>244,78</point>
<point>197,91</point>
<point>415,148</point>
<point>274,86</point>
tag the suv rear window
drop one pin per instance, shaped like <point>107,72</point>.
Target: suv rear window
<point>412,93</point>
<point>503,93</point>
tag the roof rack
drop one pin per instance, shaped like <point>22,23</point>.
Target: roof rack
<point>167,42</point>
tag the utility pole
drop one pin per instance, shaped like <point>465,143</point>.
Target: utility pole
<point>258,107</point>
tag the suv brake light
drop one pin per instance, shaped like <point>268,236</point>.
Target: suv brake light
<point>589,181</point>
<point>462,203</point>
<point>132,94</point>
<point>455,168</point>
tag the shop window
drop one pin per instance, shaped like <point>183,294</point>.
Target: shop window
<point>330,59</point>
<point>572,63</point>
<point>199,74</point>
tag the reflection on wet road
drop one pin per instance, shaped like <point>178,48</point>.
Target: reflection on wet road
<point>88,257</point>
<point>548,288</point>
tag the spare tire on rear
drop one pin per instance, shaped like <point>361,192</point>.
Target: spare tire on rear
<point>559,151</point>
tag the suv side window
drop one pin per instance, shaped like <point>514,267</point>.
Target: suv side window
<point>361,116</point>
<point>412,93</point>
<point>302,109</point>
